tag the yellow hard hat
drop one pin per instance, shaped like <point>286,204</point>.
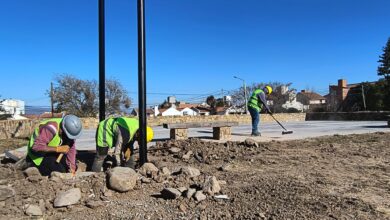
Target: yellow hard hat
<point>269,88</point>
<point>149,134</point>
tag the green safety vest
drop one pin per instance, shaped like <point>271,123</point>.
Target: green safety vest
<point>130,124</point>
<point>254,102</point>
<point>105,133</point>
<point>55,141</point>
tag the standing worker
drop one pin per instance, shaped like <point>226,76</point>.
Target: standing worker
<point>50,141</point>
<point>255,104</point>
<point>119,133</point>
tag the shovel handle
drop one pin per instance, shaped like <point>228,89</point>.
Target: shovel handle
<point>59,158</point>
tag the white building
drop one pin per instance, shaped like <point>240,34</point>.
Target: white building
<point>171,111</point>
<point>12,106</point>
<point>188,111</point>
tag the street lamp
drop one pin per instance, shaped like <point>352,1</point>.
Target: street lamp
<point>246,102</point>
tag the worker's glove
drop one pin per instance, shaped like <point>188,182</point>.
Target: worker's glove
<point>62,149</point>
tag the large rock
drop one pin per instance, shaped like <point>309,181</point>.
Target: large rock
<point>190,171</point>
<point>31,171</point>
<point>170,193</point>
<point>148,169</point>
<point>33,210</point>
<point>67,198</point>
<point>211,185</point>
<point>199,196</point>
<point>6,192</point>
<point>122,179</point>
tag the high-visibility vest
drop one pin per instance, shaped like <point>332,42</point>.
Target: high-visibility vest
<point>106,133</point>
<point>54,142</point>
<point>254,102</point>
<point>130,124</point>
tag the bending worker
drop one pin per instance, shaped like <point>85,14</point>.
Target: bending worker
<point>255,104</point>
<point>120,134</point>
<point>50,141</point>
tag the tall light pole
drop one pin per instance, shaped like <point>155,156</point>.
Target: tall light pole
<point>246,101</point>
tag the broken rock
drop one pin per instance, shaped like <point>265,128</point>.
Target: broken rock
<point>147,169</point>
<point>122,179</point>
<point>170,193</point>
<point>67,198</point>
<point>33,210</point>
<point>190,192</point>
<point>94,204</point>
<point>211,185</point>
<point>165,172</point>
<point>190,171</point>
<point>31,171</point>
<point>187,156</point>
<point>199,196</point>
<point>249,142</point>
<point>174,150</point>
<point>6,192</point>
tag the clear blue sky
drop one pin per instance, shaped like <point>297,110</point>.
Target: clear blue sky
<point>193,46</point>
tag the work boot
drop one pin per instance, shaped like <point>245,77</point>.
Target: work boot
<point>256,134</point>
<point>98,164</point>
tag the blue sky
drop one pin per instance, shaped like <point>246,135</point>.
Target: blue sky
<point>193,46</point>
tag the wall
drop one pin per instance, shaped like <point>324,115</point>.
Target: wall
<point>16,128</point>
<point>24,128</point>
<point>348,116</point>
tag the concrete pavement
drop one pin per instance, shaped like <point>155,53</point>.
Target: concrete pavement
<point>269,131</point>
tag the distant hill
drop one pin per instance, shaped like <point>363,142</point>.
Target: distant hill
<point>36,110</point>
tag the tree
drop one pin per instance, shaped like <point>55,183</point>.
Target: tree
<point>80,97</point>
<point>384,66</point>
<point>384,70</point>
<point>210,100</point>
<point>75,96</point>
<point>116,97</point>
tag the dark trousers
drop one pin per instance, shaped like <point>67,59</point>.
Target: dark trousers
<point>255,115</point>
<point>49,164</point>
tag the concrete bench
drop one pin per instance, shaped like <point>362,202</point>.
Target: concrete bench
<point>221,129</point>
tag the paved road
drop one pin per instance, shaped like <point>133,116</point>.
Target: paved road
<point>269,131</point>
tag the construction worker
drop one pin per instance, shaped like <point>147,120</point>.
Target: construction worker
<point>118,133</point>
<point>255,104</point>
<point>51,140</point>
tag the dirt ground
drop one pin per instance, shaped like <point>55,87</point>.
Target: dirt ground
<point>334,177</point>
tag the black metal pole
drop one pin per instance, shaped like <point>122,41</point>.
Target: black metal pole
<point>142,81</point>
<point>102,64</point>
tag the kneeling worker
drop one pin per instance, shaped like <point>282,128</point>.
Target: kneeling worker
<point>119,133</point>
<point>50,140</point>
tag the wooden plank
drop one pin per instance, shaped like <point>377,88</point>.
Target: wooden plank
<point>200,124</point>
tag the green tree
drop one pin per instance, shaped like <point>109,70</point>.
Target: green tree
<point>384,60</point>
<point>116,97</point>
<point>384,70</point>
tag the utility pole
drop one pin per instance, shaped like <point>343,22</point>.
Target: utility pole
<point>364,99</point>
<point>246,101</point>
<point>142,81</point>
<point>102,64</point>
<point>51,99</point>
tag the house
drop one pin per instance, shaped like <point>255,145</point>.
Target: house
<point>202,110</point>
<point>187,111</point>
<point>171,111</point>
<point>345,97</point>
<point>311,101</point>
<point>12,106</point>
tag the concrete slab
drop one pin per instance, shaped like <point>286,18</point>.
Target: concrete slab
<point>270,131</point>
